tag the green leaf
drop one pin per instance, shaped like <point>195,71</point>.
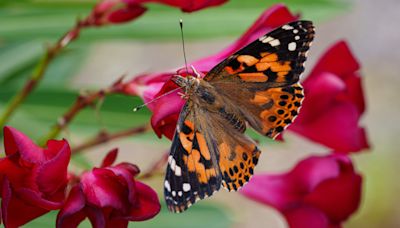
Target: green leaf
<point>18,58</point>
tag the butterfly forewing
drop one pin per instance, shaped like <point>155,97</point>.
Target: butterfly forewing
<point>264,77</point>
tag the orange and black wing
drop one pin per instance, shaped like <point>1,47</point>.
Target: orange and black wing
<point>209,150</point>
<point>262,79</point>
<point>192,171</point>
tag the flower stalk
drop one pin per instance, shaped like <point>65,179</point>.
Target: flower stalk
<point>40,70</point>
<point>104,137</point>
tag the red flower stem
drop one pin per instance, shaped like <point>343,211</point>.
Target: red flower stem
<point>104,136</point>
<point>80,103</point>
<point>40,70</point>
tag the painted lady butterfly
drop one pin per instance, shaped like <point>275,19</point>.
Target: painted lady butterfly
<point>257,86</point>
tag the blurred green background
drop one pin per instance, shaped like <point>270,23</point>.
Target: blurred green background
<point>152,43</point>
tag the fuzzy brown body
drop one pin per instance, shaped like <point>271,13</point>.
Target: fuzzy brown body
<point>258,86</point>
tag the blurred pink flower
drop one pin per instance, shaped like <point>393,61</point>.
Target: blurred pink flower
<point>32,179</point>
<point>320,192</point>
<point>167,109</point>
<point>121,11</point>
<point>114,12</point>
<point>187,5</point>
<point>334,102</point>
<point>109,196</point>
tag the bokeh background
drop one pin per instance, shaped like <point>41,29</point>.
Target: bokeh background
<point>152,43</point>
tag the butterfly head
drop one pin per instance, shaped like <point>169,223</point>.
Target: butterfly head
<point>189,83</point>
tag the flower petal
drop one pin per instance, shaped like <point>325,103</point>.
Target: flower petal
<point>72,213</point>
<point>110,158</point>
<point>17,142</point>
<point>102,188</point>
<point>126,14</point>
<point>347,191</point>
<point>306,217</point>
<point>52,175</point>
<point>148,205</point>
<point>34,198</point>
<point>16,211</point>
<point>188,5</point>
<point>334,103</point>
<point>318,192</point>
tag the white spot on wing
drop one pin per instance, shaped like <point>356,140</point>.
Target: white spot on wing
<point>275,43</point>
<point>173,164</point>
<point>173,193</point>
<point>297,37</point>
<point>287,27</point>
<point>178,171</point>
<point>186,187</point>
<point>167,186</point>
<point>295,31</point>
<point>180,193</point>
<point>292,46</point>
<point>266,39</point>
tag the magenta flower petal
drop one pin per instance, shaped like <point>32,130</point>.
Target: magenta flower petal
<point>346,187</point>
<point>334,102</point>
<point>102,188</point>
<point>35,198</point>
<point>72,213</point>
<point>148,201</point>
<point>318,192</point>
<point>110,197</point>
<point>123,15</point>
<point>110,158</point>
<point>15,211</point>
<point>52,175</point>
<point>33,179</point>
<point>306,217</point>
<point>17,142</point>
<point>114,12</point>
<point>188,5</point>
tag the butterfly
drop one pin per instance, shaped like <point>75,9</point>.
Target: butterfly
<point>258,86</point>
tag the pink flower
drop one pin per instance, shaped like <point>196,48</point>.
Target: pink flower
<point>114,12</point>
<point>110,197</point>
<point>334,102</point>
<point>32,179</point>
<point>188,5</point>
<point>166,110</point>
<point>122,11</point>
<point>319,192</point>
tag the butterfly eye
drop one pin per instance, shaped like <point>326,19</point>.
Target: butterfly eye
<point>179,80</point>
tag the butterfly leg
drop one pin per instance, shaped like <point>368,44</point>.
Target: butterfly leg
<point>183,95</point>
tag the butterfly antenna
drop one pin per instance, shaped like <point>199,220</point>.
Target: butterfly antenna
<point>137,108</point>
<point>183,44</point>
